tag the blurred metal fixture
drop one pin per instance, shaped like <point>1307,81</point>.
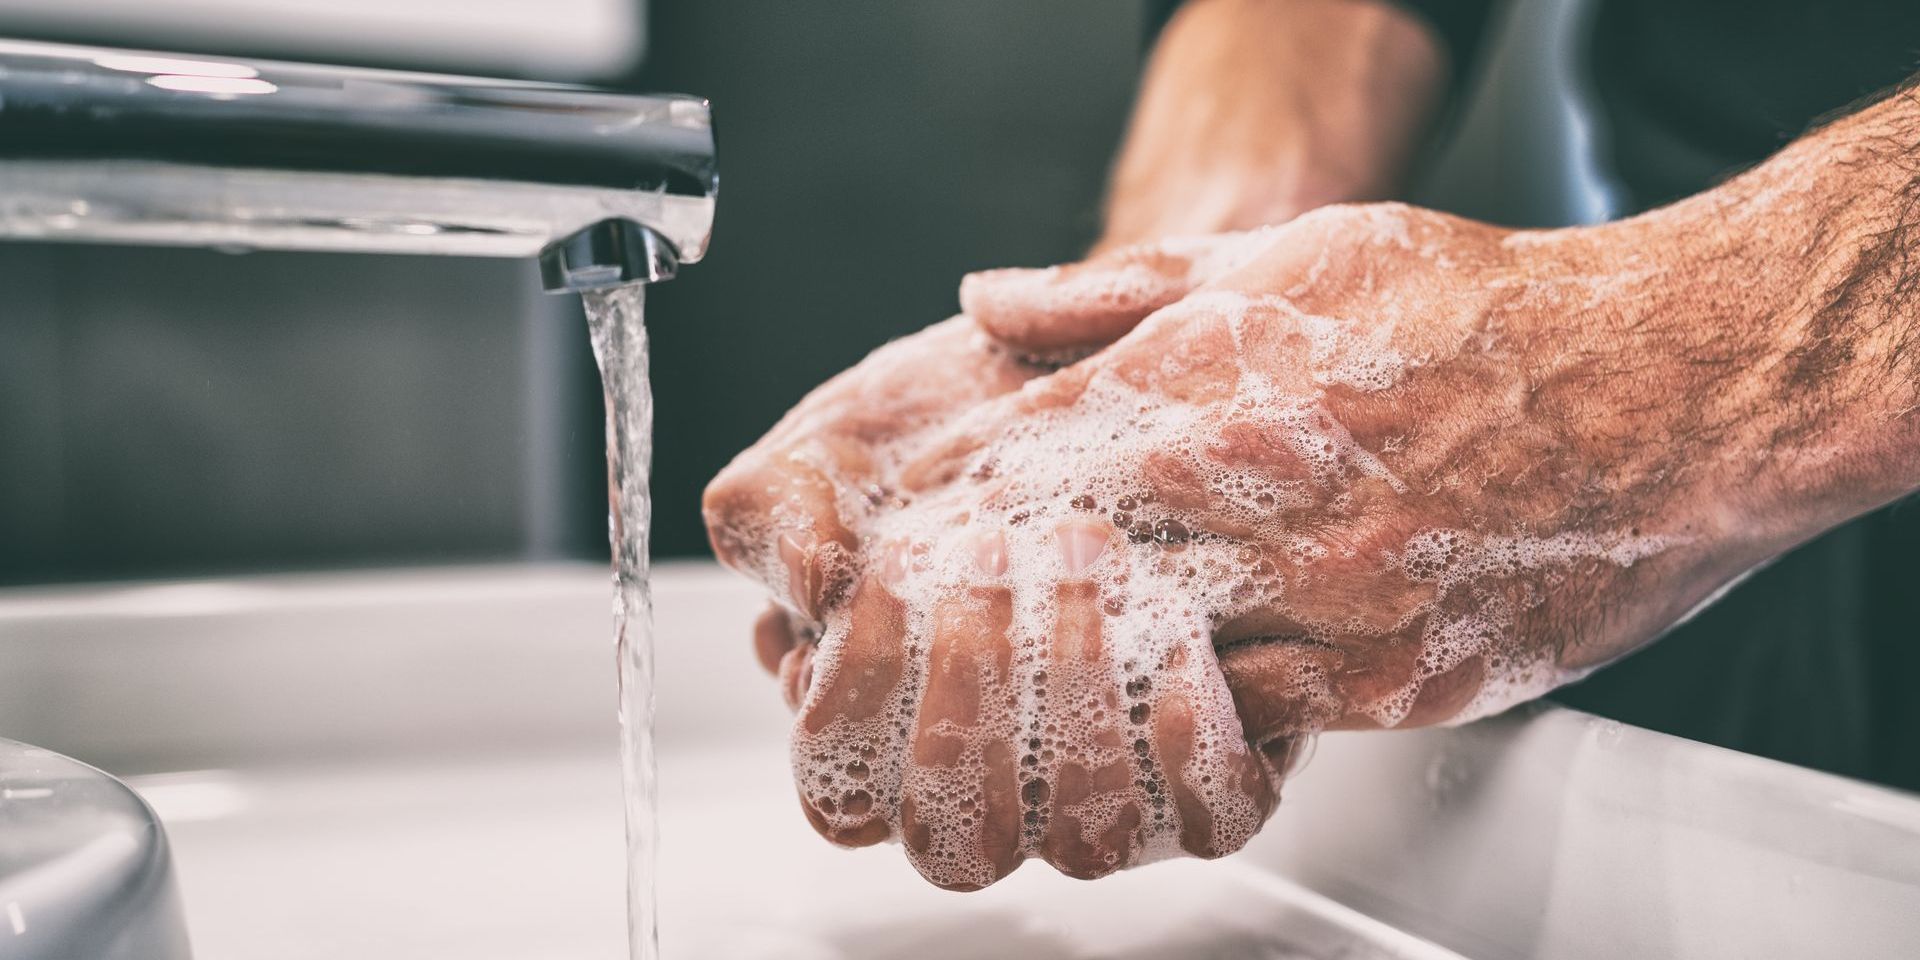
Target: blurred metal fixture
<point>84,867</point>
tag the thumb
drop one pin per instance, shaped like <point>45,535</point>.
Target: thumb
<point>1087,305</point>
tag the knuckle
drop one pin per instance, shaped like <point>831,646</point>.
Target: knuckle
<point>864,834</point>
<point>727,506</point>
<point>847,816</point>
<point>1083,866</point>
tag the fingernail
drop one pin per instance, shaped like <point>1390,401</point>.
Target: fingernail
<point>796,675</point>
<point>794,552</point>
<point>990,553</point>
<point>988,290</point>
<point>1081,544</point>
<point>1288,755</point>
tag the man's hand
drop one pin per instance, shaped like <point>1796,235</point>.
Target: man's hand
<point>1377,467</point>
<point>1252,112</point>
<point>1333,487</point>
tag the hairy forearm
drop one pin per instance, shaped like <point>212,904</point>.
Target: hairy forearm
<point>1808,276</point>
<point>1860,321</point>
<point>1847,367</point>
<point>1252,111</point>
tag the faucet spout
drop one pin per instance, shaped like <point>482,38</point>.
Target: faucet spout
<point>124,147</point>
<point>610,253</point>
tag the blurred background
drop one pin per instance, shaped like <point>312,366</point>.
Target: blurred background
<point>184,412</point>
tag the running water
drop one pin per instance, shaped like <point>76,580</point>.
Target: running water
<point>614,318</point>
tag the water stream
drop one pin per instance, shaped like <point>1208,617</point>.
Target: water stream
<point>614,318</point>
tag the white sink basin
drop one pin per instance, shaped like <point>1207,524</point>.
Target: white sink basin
<point>490,860</point>
<point>421,764</point>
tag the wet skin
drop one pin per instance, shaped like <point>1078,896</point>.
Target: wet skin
<point>1376,467</point>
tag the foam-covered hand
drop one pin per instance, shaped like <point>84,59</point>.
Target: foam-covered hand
<point>1378,467</point>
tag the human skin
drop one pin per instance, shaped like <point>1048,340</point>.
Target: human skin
<point>1421,469</point>
<point>1252,112</point>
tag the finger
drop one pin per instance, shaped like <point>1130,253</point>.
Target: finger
<point>1285,681</point>
<point>959,815</point>
<point>1087,305</point>
<point>1446,694</point>
<point>1290,687</point>
<point>773,636</point>
<point>951,451</point>
<point>851,728</point>
<point>1284,756</point>
<point>1084,789</point>
<point>1286,687</point>
<point>1219,786</point>
<point>776,518</point>
<point>941,463</point>
<point>796,675</point>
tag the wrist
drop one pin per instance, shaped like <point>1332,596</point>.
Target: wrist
<point>1642,339</point>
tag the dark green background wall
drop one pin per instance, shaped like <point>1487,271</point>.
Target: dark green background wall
<point>870,154</point>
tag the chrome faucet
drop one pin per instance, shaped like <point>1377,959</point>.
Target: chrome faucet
<point>128,147</point>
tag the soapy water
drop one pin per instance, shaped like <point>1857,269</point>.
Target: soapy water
<point>615,322</point>
<point>1196,539</point>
